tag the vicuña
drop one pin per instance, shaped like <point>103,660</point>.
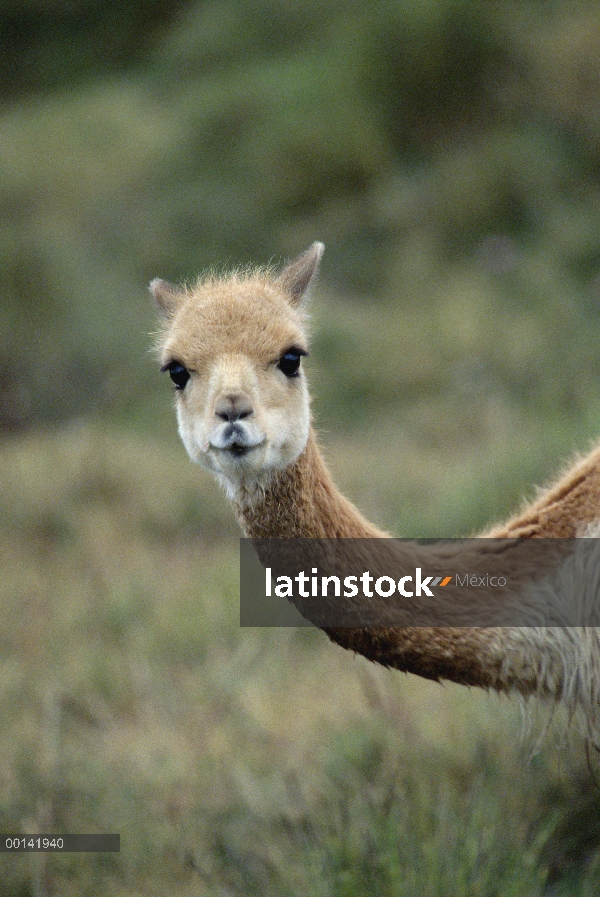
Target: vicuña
<point>233,347</point>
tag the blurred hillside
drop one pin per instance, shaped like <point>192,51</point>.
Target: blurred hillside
<point>446,152</point>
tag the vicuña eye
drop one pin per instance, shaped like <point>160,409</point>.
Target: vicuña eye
<point>178,373</point>
<point>289,363</point>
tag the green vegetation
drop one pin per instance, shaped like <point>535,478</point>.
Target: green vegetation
<point>447,162</point>
<point>448,153</point>
<point>239,762</point>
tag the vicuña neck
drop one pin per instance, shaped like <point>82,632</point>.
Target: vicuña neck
<point>303,502</point>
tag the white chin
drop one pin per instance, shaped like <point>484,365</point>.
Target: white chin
<point>234,466</point>
<point>243,473</point>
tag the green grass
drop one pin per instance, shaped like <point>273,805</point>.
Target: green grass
<point>241,761</point>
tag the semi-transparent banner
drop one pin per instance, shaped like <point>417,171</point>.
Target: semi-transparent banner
<point>402,582</point>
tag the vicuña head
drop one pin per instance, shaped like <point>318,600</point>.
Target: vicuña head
<point>233,346</point>
<point>234,349</point>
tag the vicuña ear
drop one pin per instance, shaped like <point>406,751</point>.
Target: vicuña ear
<point>297,275</point>
<point>167,296</point>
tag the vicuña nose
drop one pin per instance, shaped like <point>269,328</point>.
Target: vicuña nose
<point>234,407</point>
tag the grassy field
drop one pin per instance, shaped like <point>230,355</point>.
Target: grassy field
<point>237,762</point>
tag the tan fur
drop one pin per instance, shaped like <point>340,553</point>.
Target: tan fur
<point>230,332</point>
<point>566,510</point>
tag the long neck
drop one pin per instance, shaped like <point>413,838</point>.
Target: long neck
<point>303,502</point>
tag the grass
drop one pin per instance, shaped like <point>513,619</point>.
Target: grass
<point>239,761</point>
